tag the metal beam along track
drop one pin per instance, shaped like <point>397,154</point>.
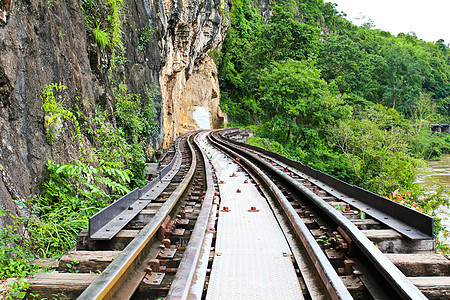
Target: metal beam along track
<point>105,224</point>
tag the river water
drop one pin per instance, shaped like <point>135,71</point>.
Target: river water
<point>440,171</point>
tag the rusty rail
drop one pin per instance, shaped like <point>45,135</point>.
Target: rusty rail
<point>192,269</point>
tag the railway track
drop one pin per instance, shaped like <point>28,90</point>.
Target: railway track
<point>359,249</point>
<point>170,248</point>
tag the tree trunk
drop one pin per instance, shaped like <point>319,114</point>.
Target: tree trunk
<point>288,135</point>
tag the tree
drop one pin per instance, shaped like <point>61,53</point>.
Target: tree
<point>294,95</point>
<point>404,81</point>
<point>378,154</point>
<point>285,38</point>
<point>360,74</point>
<point>423,112</point>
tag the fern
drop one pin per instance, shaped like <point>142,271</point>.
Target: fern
<point>122,176</point>
<point>101,37</point>
<point>115,24</point>
<point>115,187</point>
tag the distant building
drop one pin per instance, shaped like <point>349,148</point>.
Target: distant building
<point>440,127</point>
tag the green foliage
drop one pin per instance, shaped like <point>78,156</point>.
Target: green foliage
<point>78,189</point>
<point>18,290</point>
<point>377,150</point>
<point>123,147</point>
<point>238,76</point>
<point>53,220</point>
<point>266,144</point>
<point>216,55</point>
<point>128,111</point>
<point>103,21</point>
<point>149,111</point>
<point>95,13</point>
<point>326,242</point>
<point>287,38</point>
<point>357,73</point>
<point>362,215</point>
<point>295,82</point>
<point>77,186</point>
<point>424,144</point>
<point>137,120</point>
<point>385,69</point>
<point>445,140</point>
<point>323,242</point>
<point>101,37</point>
<point>427,146</point>
<point>55,113</point>
<point>72,267</point>
<point>109,144</point>
<point>354,102</point>
<point>294,95</point>
<point>115,24</point>
<point>225,12</point>
<point>325,159</point>
<point>145,35</point>
<point>16,256</point>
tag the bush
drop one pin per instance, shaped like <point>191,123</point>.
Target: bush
<point>266,144</point>
<point>16,251</point>
<point>445,147</point>
<point>78,186</point>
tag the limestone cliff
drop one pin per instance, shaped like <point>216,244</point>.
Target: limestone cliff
<point>43,42</point>
<point>188,78</point>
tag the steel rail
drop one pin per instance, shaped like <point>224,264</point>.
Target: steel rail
<point>111,279</point>
<point>396,279</point>
<point>192,269</point>
<point>327,274</point>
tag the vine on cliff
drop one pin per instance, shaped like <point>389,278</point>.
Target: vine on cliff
<point>145,35</point>
<point>55,113</point>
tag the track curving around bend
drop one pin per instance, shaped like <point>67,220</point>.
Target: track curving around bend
<point>381,278</point>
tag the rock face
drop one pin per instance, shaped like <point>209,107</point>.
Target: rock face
<point>43,42</point>
<point>37,46</point>
<point>188,78</point>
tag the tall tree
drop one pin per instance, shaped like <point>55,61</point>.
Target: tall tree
<point>294,95</point>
